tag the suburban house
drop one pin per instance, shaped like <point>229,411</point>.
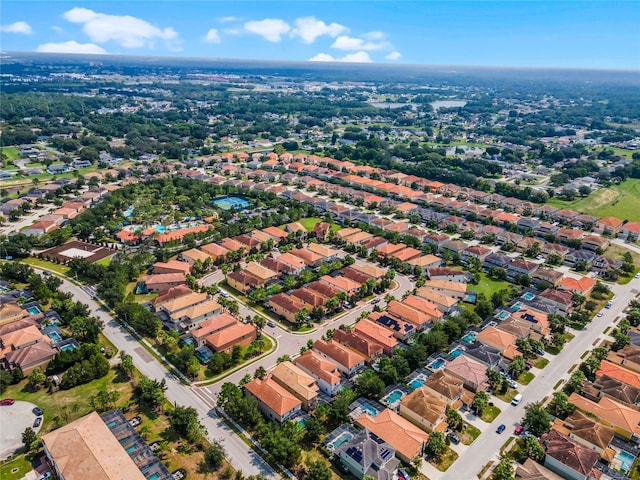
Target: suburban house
<point>342,283</point>
<point>416,317</point>
<point>451,289</point>
<point>426,261</point>
<point>374,332</point>
<point>274,401</point>
<point>347,361</point>
<point>586,431</point>
<point>531,470</point>
<point>448,274</point>
<point>87,449</point>
<point>361,344</point>
<point>630,357</point>
<point>622,418</point>
<point>209,326</point>
<point>309,258</point>
<point>262,273</point>
<point>444,302</point>
<point>243,281</point>
<point>425,306</point>
<point>215,251</point>
<point>164,281</point>
<point>286,306</point>
<point>367,455</point>
<point>327,253</point>
<point>25,348</point>
<point>608,225</point>
<point>472,373</point>
<point>408,440</point>
<point>310,298</point>
<point>192,255</point>
<point>614,388</point>
<point>547,275</point>
<point>582,286</point>
<point>298,382</point>
<point>401,329</point>
<point>568,458</point>
<point>446,387</point>
<point>172,266</point>
<point>630,231</point>
<point>225,339</point>
<point>560,300</point>
<point>496,338</point>
<point>425,409</point>
<point>295,264</point>
<point>619,373</point>
<point>185,312</point>
<point>323,371</point>
<point>521,267</point>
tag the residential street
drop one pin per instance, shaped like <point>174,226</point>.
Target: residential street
<point>487,446</point>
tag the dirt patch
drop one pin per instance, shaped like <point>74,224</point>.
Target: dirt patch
<point>603,198</point>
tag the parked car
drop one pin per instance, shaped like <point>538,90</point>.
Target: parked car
<point>501,428</point>
<point>44,476</point>
<point>453,437</point>
<point>404,474</point>
<point>37,411</point>
<point>519,429</point>
<point>37,422</point>
<point>529,365</point>
<point>600,314</point>
<point>7,401</point>
<point>271,323</point>
<point>513,384</point>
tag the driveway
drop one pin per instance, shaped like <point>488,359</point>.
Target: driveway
<point>13,421</point>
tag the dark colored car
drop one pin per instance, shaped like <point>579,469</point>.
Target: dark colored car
<point>37,411</point>
<point>519,429</point>
<point>7,401</point>
<point>501,428</point>
<point>37,422</point>
<point>454,438</point>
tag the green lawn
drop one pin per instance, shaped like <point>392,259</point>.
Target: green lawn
<point>12,153</point>
<point>525,378</point>
<point>62,269</point>
<point>105,261</point>
<point>445,460</point>
<point>540,362</point>
<point>311,222</point>
<point>508,396</point>
<point>488,286</point>
<point>469,434</point>
<point>489,414</point>
<point>620,201</point>
<point>21,465</point>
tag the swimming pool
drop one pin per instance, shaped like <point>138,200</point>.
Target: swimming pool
<point>435,365</point>
<point>503,315</point>
<point>368,409</point>
<point>393,397</point>
<point>516,306</point>
<point>344,438</point>
<point>128,212</point>
<point>34,310</point>
<point>470,337</point>
<point>528,296</point>
<point>155,476</point>
<point>112,424</point>
<point>456,352</point>
<point>417,383</point>
<point>132,449</point>
<point>67,348</point>
<point>54,336</point>
<point>231,203</point>
<point>626,461</point>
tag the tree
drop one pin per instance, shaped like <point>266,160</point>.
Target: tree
<point>560,406</point>
<point>517,366</point>
<point>36,378</point>
<point>28,437</point>
<point>104,400</point>
<point>126,364</point>
<point>214,456</point>
<point>575,381</point>
<point>480,402</point>
<point>495,380</point>
<point>504,470</point>
<point>314,429</point>
<point>530,446</point>
<point>437,445</point>
<point>370,385</point>
<point>151,392</point>
<point>185,421</point>
<point>318,470</point>
<point>454,419</point>
<point>260,373</point>
<point>536,419</point>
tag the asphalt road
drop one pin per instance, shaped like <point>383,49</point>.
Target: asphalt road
<point>238,453</point>
<point>488,445</point>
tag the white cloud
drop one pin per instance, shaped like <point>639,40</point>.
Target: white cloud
<point>231,31</point>
<point>271,29</point>
<point>213,36</point>
<point>322,57</point>
<point>128,31</point>
<point>17,27</point>
<point>357,57</point>
<point>395,55</point>
<point>229,19</point>
<point>70,47</point>
<point>309,28</point>
<point>375,35</point>
<point>57,29</point>
<point>344,42</point>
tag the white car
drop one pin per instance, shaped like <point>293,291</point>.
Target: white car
<point>600,314</point>
<point>637,275</point>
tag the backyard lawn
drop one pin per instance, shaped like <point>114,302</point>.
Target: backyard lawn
<point>620,201</point>
<point>311,222</point>
<point>11,153</point>
<point>15,469</point>
<point>488,286</point>
<point>56,267</point>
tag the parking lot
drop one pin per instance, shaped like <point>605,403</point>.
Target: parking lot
<point>13,420</point>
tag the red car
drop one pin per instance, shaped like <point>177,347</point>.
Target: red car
<point>7,401</point>
<point>519,429</point>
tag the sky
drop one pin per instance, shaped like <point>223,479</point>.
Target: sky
<point>572,34</point>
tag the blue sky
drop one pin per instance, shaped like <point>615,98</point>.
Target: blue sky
<point>576,33</point>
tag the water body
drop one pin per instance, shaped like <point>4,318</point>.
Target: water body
<point>448,104</point>
<point>392,105</point>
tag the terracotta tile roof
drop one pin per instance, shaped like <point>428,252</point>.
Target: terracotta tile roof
<point>176,304</point>
<point>206,327</point>
<point>366,346</point>
<point>373,272</point>
<point>369,329</point>
<point>531,470</point>
<point>611,411</point>
<point>179,234</point>
<point>195,254</point>
<point>292,260</point>
<point>269,392</point>
<point>619,372</point>
<point>445,384</point>
<point>408,313</point>
<point>584,284</point>
<point>307,256</point>
<point>401,434</point>
<point>436,297</point>
<point>407,254</point>
<point>589,429</point>
<point>173,292</point>
<point>570,453</point>
<point>631,227</point>
<point>195,311</point>
<point>496,338</point>
<point>86,449</point>
<point>259,271</point>
<point>342,283</point>
<point>436,284</point>
<point>214,250</point>
<point>295,379</point>
<point>391,248</point>
<point>232,245</point>
<point>165,278</point>
<point>610,222</point>
<point>426,404</point>
<point>425,260</point>
<point>322,250</point>
<point>127,236</point>
<point>232,334</point>
<point>309,297</point>
<point>173,265</point>
<point>275,232</point>
<point>323,369</point>
<point>27,335</point>
<point>287,302</point>
<point>425,306</point>
<point>339,353</point>
<point>323,289</point>
<point>468,368</point>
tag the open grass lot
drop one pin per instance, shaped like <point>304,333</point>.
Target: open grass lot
<point>56,267</point>
<point>21,466</point>
<point>65,406</point>
<point>311,222</point>
<point>488,286</point>
<point>11,153</point>
<point>620,201</point>
<point>105,261</point>
<point>469,434</point>
<point>445,460</point>
<point>490,413</point>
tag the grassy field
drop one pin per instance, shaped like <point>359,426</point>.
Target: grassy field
<point>540,362</point>
<point>489,414</point>
<point>11,153</point>
<point>36,262</point>
<point>311,222</point>
<point>445,460</point>
<point>620,201</point>
<point>488,286</point>
<point>105,261</point>
<point>15,469</point>
<point>469,434</point>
